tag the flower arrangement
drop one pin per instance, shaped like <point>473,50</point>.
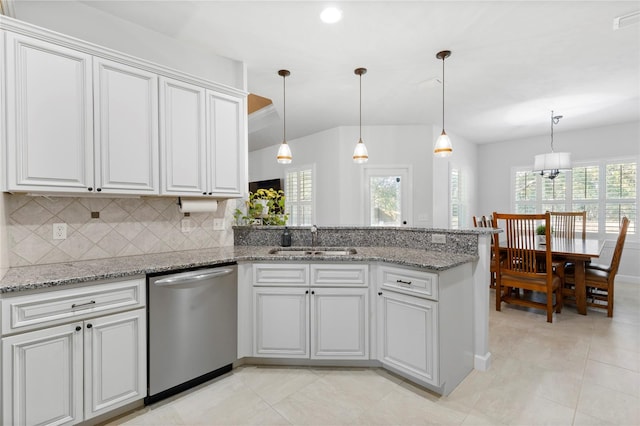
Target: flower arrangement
<point>265,206</point>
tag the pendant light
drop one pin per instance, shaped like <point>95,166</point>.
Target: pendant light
<point>284,152</point>
<point>443,146</point>
<point>360,154</point>
<point>549,165</point>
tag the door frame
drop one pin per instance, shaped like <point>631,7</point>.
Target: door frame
<point>405,171</point>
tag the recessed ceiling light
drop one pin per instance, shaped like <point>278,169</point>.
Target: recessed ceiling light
<point>331,15</point>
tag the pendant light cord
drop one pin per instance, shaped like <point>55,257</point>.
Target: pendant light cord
<point>443,93</point>
<point>360,108</point>
<point>284,109</point>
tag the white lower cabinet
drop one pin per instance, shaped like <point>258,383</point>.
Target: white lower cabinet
<point>408,329</point>
<point>425,324</point>
<point>72,372</point>
<point>297,319</point>
<point>339,323</point>
<point>281,322</point>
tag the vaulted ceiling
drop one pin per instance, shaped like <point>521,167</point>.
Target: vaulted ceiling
<point>512,61</point>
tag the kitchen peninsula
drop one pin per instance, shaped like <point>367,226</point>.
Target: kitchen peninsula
<point>450,282</point>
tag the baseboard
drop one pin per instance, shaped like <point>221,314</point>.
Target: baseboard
<point>482,362</point>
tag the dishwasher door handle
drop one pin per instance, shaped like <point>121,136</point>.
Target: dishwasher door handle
<point>192,277</point>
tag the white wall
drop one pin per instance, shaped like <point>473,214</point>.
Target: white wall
<point>496,160</point>
<point>464,158</point>
<point>339,181</point>
<point>93,25</point>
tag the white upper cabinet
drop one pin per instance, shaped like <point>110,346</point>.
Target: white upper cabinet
<point>226,143</point>
<point>49,116</point>
<point>183,145</point>
<point>202,141</point>
<point>84,119</point>
<point>126,128</point>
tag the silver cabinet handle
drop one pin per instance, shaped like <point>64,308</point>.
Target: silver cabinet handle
<point>403,282</point>
<point>77,305</point>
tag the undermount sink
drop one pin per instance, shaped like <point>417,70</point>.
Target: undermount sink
<point>318,251</point>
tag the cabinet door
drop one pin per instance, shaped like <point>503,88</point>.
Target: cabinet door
<point>42,376</point>
<point>115,361</point>
<point>226,134</point>
<point>183,156</point>
<point>408,335</point>
<point>49,116</point>
<point>339,323</point>
<point>281,322</point>
<point>126,135</point>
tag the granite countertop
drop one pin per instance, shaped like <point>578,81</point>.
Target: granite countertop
<point>60,274</point>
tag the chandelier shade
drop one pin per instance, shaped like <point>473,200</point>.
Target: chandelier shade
<point>360,154</point>
<point>443,147</point>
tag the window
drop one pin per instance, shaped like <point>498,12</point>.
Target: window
<point>299,192</point>
<point>454,220</point>
<point>607,190</point>
<point>387,201</point>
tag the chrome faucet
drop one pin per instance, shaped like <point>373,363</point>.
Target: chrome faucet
<point>314,236</point>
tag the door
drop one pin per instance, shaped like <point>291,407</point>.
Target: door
<point>42,376</point>
<point>126,134</point>
<point>49,116</point>
<point>226,134</point>
<point>115,361</point>
<point>182,138</point>
<point>281,322</point>
<point>387,196</point>
<point>339,323</point>
<point>408,335</point>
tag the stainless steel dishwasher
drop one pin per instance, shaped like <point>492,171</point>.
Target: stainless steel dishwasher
<point>192,328</point>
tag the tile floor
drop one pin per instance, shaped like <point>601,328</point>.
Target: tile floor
<point>580,370</point>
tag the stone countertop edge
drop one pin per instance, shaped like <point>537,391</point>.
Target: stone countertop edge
<point>60,274</point>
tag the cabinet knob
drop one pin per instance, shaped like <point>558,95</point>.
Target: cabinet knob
<point>211,193</point>
<point>89,325</point>
<point>78,328</point>
<point>90,189</point>
<point>313,292</point>
<point>306,292</point>
<point>204,193</point>
<point>99,189</point>
<point>379,293</point>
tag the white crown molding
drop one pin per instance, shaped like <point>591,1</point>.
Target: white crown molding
<point>8,8</point>
<point>20,27</point>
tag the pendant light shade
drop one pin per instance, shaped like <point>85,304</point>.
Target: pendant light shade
<point>360,154</point>
<point>443,147</point>
<point>550,165</point>
<point>284,152</point>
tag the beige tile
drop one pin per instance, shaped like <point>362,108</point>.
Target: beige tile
<point>609,405</point>
<point>539,411</point>
<point>581,419</point>
<point>615,356</point>
<point>612,377</point>
<point>273,384</point>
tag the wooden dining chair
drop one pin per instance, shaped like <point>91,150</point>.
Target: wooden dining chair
<point>569,224</point>
<point>522,268</point>
<point>599,279</point>
<point>487,222</point>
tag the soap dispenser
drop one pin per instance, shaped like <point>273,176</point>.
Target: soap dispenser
<point>286,238</point>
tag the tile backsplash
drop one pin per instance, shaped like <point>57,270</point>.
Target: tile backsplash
<point>125,227</point>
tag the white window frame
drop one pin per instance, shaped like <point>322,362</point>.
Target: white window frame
<point>406,173</point>
<point>569,201</point>
<point>314,186</point>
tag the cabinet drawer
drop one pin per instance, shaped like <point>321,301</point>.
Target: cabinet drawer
<point>21,313</point>
<point>281,274</point>
<point>342,274</point>
<point>420,283</point>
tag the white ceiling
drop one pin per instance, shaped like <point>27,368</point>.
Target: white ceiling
<point>512,61</point>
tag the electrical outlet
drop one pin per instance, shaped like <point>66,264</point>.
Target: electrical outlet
<point>438,238</point>
<point>218,224</point>
<point>185,225</point>
<point>59,231</point>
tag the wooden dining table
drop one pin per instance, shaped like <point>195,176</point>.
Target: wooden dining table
<point>578,252</point>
